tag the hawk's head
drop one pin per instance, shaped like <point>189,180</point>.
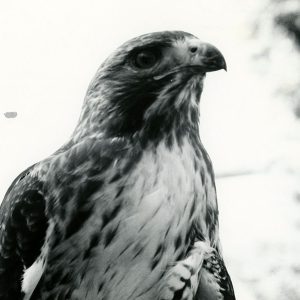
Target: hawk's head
<point>150,85</point>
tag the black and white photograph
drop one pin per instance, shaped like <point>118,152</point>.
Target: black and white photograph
<point>150,150</point>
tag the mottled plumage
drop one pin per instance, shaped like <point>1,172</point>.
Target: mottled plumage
<point>127,208</point>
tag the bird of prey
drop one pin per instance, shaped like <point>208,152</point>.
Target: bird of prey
<point>127,208</point>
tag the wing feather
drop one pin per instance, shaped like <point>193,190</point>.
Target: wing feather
<point>23,228</point>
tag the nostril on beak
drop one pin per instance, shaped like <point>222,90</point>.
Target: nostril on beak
<point>193,49</point>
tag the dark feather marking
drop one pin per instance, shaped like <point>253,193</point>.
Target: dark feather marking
<point>169,141</point>
<point>189,238</point>
<point>66,196</point>
<point>192,211</point>
<point>93,243</point>
<point>202,174</point>
<point>110,235</point>
<point>126,248</point>
<point>180,133</point>
<point>185,206</point>
<point>100,287</point>
<point>78,218</point>
<point>120,190</point>
<point>143,226</point>
<point>94,240</point>
<point>197,147</point>
<point>65,279</point>
<point>116,177</point>
<point>57,237</point>
<point>107,269</point>
<point>88,189</point>
<point>83,209</point>
<point>208,164</point>
<point>167,231</point>
<point>154,263</point>
<point>157,256</point>
<point>110,215</point>
<point>181,255</point>
<point>113,275</point>
<point>156,211</point>
<point>139,250</point>
<point>158,250</point>
<point>194,116</point>
<point>196,165</point>
<point>178,242</point>
<point>211,218</point>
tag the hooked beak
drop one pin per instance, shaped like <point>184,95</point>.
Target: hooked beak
<point>196,58</point>
<point>207,57</point>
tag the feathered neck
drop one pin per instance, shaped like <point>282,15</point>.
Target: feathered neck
<point>170,114</point>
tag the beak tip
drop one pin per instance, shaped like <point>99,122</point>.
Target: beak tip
<point>223,65</point>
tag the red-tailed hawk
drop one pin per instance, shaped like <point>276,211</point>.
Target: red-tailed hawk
<point>127,208</point>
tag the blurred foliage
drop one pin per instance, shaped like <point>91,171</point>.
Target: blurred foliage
<point>291,23</point>
<point>278,28</point>
<point>287,17</point>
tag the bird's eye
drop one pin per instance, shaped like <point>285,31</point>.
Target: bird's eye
<point>145,59</point>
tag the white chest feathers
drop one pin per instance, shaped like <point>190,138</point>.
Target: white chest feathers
<point>166,180</point>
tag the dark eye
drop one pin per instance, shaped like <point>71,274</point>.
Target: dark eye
<point>145,59</point>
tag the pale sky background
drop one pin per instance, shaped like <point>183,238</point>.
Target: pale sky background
<point>50,50</point>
